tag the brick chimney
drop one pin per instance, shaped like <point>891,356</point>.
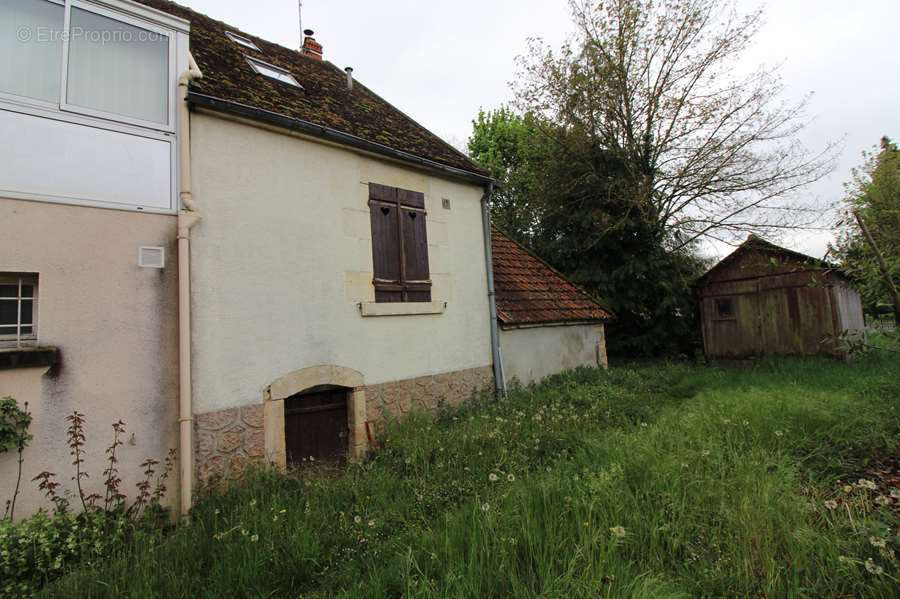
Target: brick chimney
<point>311,47</point>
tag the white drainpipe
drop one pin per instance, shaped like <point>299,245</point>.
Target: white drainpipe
<point>187,218</point>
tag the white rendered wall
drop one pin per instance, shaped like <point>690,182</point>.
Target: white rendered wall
<point>283,256</point>
<point>530,354</point>
<point>115,325</point>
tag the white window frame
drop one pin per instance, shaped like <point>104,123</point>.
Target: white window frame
<point>18,339</point>
<point>138,15</point>
<point>256,63</point>
<point>36,101</point>
<point>240,40</point>
<point>169,125</point>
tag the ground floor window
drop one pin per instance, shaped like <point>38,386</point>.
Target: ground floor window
<point>18,309</point>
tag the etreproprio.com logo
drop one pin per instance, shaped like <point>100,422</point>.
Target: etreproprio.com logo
<point>48,35</point>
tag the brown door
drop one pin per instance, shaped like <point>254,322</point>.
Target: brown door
<point>315,425</point>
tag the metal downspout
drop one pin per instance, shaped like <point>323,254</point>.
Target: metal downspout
<point>187,218</point>
<point>499,381</point>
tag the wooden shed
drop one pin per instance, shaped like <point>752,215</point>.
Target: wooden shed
<point>766,299</point>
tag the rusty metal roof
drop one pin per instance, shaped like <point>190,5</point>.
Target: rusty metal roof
<point>529,291</point>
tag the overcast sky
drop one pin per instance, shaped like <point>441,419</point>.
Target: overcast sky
<point>440,61</point>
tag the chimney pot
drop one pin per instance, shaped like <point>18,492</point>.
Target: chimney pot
<point>311,47</point>
<point>349,71</point>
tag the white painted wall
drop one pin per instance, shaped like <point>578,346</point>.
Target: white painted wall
<point>530,354</point>
<point>115,325</point>
<point>283,256</point>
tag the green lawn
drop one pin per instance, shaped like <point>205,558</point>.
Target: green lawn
<point>660,480</point>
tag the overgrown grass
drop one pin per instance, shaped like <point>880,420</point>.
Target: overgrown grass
<point>719,479</point>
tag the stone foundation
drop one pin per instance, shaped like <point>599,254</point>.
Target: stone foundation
<point>226,442</point>
<point>394,399</point>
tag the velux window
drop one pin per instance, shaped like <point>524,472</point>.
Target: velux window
<point>18,309</point>
<point>96,62</point>
<point>272,72</point>
<point>399,245</point>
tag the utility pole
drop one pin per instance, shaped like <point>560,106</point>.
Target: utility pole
<point>882,265</point>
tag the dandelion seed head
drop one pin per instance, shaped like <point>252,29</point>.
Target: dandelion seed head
<point>831,504</point>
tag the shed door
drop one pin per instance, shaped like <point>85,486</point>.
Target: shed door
<point>315,425</point>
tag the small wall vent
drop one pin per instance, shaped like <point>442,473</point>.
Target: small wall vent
<point>445,203</point>
<point>151,257</point>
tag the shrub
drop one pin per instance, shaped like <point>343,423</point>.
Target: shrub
<point>41,548</point>
<point>46,545</point>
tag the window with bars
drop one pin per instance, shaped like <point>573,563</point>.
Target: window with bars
<point>399,245</point>
<point>18,309</point>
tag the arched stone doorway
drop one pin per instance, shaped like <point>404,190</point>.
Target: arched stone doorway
<point>310,382</point>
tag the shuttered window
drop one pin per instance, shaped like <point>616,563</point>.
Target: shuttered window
<point>399,245</point>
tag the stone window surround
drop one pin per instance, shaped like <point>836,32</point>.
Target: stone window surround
<point>302,380</point>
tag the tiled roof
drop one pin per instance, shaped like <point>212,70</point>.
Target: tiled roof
<point>324,99</point>
<point>531,292</point>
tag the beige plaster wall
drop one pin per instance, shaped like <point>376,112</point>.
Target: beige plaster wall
<point>530,354</point>
<point>283,257</point>
<point>115,325</point>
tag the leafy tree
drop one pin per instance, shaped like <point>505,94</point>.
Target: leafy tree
<point>634,142</point>
<point>707,152</point>
<point>874,194</point>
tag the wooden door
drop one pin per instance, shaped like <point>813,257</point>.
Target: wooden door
<point>315,425</point>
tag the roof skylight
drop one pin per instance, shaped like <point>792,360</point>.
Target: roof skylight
<point>242,41</point>
<point>272,72</point>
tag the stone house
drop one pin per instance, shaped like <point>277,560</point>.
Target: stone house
<point>253,257</point>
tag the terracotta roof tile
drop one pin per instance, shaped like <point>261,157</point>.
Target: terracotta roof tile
<point>531,292</point>
<point>324,99</point>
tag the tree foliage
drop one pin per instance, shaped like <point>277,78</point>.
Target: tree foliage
<point>707,151</point>
<point>874,193</point>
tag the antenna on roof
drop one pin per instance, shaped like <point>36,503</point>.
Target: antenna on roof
<point>300,19</point>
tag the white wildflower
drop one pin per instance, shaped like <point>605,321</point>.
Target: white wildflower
<point>779,434</point>
<point>371,523</point>
<point>746,423</point>
<point>705,452</point>
<point>618,531</point>
<point>493,477</point>
<point>485,507</point>
<point>895,493</point>
<point>883,500</point>
<point>865,484</point>
<point>252,502</point>
<point>254,538</point>
<point>510,478</point>
<point>357,519</point>
<point>831,504</point>
<point>847,488</point>
<point>874,568</point>
<point>876,542</point>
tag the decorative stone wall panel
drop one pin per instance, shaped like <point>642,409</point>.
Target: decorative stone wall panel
<point>228,440</point>
<point>426,393</point>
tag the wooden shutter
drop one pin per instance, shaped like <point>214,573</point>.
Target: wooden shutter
<point>399,245</point>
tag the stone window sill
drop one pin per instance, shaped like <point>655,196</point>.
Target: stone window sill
<point>28,357</point>
<point>401,308</point>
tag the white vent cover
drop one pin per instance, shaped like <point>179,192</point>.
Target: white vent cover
<point>151,257</point>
